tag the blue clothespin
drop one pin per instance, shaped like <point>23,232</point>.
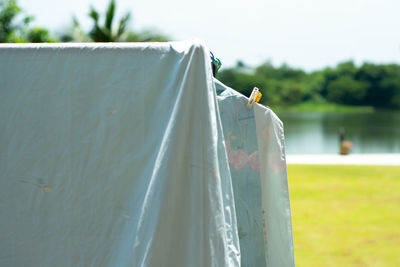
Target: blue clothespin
<point>215,64</point>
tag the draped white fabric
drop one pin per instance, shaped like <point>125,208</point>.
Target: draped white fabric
<point>256,153</point>
<point>110,157</point>
<point>115,155</point>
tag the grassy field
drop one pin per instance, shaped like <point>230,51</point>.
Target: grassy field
<point>345,215</point>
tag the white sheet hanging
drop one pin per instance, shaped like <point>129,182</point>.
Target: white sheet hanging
<point>255,146</point>
<point>112,155</point>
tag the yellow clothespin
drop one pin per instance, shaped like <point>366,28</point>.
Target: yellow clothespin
<point>258,97</point>
<point>254,97</point>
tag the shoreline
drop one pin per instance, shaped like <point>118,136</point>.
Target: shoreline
<point>322,107</point>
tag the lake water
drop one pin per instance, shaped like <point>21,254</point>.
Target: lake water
<point>318,133</point>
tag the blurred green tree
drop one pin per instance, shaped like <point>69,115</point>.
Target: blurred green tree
<point>108,32</point>
<point>293,92</point>
<point>371,85</point>
<point>384,84</point>
<point>346,90</point>
<point>38,35</point>
<point>14,25</point>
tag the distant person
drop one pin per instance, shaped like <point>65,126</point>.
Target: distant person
<point>345,145</point>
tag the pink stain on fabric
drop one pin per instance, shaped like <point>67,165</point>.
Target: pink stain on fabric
<point>254,161</point>
<point>277,164</point>
<point>267,134</point>
<point>237,158</point>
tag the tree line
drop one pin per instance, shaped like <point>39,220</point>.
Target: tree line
<point>366,85</point>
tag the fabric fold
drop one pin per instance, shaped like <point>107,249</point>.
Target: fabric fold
<point>255,146</point>
<point>111,155</point>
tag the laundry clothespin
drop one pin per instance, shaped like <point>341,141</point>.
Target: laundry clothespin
<point>215,64</point>
<point>254,97</point>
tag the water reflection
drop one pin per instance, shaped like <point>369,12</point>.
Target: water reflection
<point>317,133</point>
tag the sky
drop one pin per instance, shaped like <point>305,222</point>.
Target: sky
<point>307,34</point>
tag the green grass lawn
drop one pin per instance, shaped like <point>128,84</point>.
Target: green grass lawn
<point>345,215</point>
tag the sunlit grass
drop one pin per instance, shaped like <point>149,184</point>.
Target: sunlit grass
<point>345,215</point>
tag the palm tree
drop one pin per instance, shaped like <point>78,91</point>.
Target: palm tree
<point>106,33</point>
